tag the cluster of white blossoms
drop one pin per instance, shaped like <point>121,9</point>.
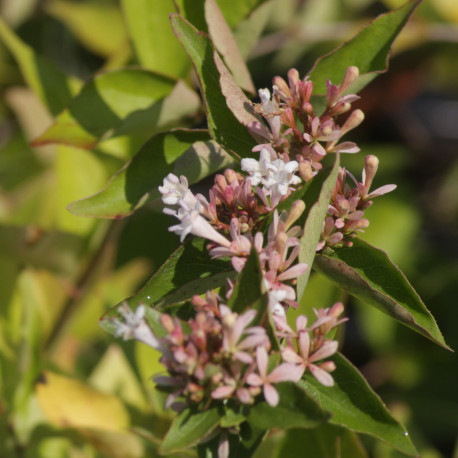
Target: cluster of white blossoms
<point>274,175</point>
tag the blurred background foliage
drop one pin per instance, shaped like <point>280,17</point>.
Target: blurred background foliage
<point>67,389</point>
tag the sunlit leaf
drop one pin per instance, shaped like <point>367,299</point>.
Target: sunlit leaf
<point>92,23</point>
<point>70,403</point>
<point>114,375</point>
<point>369,50</point>
<point>53,87</point>
<point>156,47</point>
<point>369,274</point>
<point>314,225</point>
<point>355,406</point>
<point>223,126</point>
<point>186,152</point>
<point>105,103</point>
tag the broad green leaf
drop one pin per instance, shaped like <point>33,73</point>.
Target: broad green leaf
<point>155,45</point>
<point>369,50</point>
<point>78,173</point>
<point>54,88</point>
<point>248,289</point>
<point>314,225</point>
<point>187,264</point>
<point>355,406</point>
<point>191,153</point>
<point>189,427</point>
<point>325,441</point>
<point>99,26</point>
<point>226,45</point>
<point>296,409</point>
<point>369,274</point>
<point>107,102</point>
<point>222,124</point>
<point>56,251</point>
<point>114,375</point>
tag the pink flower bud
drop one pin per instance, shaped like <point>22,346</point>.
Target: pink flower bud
<point>350,76</point>
<point>305,170</point>
<point>297,208</point>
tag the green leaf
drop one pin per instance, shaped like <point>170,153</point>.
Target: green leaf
<point>226,45</point>
<point>53,87</point>
<point>223,125</point>
<point>191,153</point>
<point>189,427</point>
<point>155,45</point>
<point>248,289</point>
<point>355,406</point>
<point>369,50</point>
<point>296,409</point>
<point>188,263</point>
<point>107,102</point>
<point>369,274</point>
<point>314,224</point>
<point>326,441</point>
<point>92,23</point>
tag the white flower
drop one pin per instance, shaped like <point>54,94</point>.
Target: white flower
<point>134,326</point>
<point>281,176</point>
<point>275,175</point>
<point>174,189</point>
<point>192,222</point>
<point>257,169</point>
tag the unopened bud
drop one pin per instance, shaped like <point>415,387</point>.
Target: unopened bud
<point>328,366</point>
<point>281,87</point>
<point>350,76</point>
<point>305,90</point>
<point>230,175</point>
<point>336,310</point>
<point>167,321</point>
<point>305,170</point>
<point>370,169</point>
<point>354,120</point>
<point>221,182</point>
<point>293,78</point>
<point>340,107</point>
<point>297,208</point>
<point>280,242</point>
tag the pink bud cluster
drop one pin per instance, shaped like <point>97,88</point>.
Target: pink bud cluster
<point>220,355</point>
<point>346,209</point>
<point>295,131</point>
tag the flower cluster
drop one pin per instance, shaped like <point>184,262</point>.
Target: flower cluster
<point>346,209</point>
<point>295,131</point>
<point>223,356</point>
<point>231,197</point>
